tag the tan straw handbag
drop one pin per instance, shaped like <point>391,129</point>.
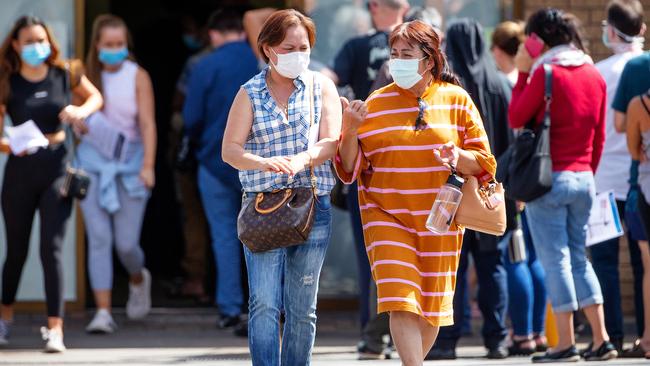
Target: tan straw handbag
<point>482,208</point>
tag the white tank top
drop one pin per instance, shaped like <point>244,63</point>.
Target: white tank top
<point>120,100</point>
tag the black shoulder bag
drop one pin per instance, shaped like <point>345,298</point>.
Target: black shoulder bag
<point>525,168</point>
<point>76,182</point>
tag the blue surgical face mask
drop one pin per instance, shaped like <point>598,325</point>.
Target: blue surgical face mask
<point>605,37</point>
<point>113,56</point>
<point>405,71</point>
<point>36,53</point>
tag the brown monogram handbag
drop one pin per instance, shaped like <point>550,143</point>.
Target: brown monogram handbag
<point>282,218</point>
<point>278,219</point>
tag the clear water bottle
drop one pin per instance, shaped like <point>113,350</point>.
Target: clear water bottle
<point>446,204</point>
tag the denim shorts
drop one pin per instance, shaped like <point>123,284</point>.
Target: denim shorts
<point>558,222</point>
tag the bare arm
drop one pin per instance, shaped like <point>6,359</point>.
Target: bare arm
<point>467,163</point>
<point>240,121</point>
<point>4,142</point>
<point>354,113</point>
<point>634,139</point>
<point>253,22</point>
<point>92,102</point>
<point>147,124</point>
<point>92,98</point>
<point>464,161</point>
<point>619,121</point>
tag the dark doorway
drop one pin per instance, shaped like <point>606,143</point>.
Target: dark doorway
<point>157,28</point>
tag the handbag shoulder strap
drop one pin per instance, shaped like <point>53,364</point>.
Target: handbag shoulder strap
<point>548,93</point>
<point>645,106</point>
<point>312,81</point>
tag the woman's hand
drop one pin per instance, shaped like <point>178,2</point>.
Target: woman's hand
<point>76,116</point>
<point>447,155</point>
<point>148,177</point>
<point>354,113</point>
<point>4,146</point>
<point>523,61</point>
<point>277,164</point>
<point>299,162</point>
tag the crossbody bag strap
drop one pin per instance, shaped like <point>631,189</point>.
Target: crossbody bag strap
<point>67,89</point>
<point>645,106</point>
<point>548,94</point>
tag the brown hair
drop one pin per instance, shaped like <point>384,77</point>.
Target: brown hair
<point>508,36</point>
<point>626,16</point>
<point>93,65</point>
<point>418,33</point>
<point>10,61</point>
<point>275,29</point>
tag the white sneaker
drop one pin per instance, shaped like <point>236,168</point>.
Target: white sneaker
<point>4,332</point>
<point>139,303</point>
<point>54,340</point>
<point>102,323</point>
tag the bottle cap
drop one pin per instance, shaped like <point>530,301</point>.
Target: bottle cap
<point>455,180</point>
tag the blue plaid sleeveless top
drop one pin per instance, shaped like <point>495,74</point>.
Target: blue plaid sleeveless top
<point>273,134</point>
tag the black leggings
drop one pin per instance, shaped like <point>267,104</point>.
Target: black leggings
<point>30,183</point>
<point>644,213</point>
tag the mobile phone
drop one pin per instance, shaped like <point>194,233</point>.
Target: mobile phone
<point>534,45</point>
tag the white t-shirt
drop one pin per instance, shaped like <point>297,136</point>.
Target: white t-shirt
<point>614,169</point>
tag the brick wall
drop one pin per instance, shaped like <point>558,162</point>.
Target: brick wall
<point>591,13</point>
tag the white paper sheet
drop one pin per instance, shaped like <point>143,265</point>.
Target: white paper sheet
<point>604,221</point>
<point>106,139</point>
<point>25,138</point>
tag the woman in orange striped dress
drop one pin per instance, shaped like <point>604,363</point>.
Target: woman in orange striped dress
<point>400,145</point>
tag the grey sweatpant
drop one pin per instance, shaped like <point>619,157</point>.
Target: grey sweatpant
<point>104,229</point>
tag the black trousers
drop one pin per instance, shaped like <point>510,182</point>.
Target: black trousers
<point>31,183</point>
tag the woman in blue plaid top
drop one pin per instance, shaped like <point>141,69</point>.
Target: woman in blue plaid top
<point>269,138</point>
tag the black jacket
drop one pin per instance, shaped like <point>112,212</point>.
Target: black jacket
<point>490,90</point>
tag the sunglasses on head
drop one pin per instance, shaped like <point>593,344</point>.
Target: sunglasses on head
<point>420,124</point>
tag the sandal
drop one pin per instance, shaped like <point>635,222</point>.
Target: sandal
<point>541,344</point>
<point>517,350</point>
<point>637,351</point>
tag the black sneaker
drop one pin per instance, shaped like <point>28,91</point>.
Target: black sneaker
<point>364,352</point>
<point>441,354</point>
<point>241,329</point>
<point>606,351</point>
<point>497,353</point>
<point>568,355</point>
<point>228,321</point>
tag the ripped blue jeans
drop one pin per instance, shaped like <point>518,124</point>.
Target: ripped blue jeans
<point>286,280</point>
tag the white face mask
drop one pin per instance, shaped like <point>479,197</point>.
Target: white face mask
<point>405,71</point>
<point>291,65</point>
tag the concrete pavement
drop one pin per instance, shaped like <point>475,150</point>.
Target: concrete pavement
<point>189,337</point>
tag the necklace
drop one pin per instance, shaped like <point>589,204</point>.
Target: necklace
<point>285,107</point>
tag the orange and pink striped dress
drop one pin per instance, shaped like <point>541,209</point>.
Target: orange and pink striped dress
<point>398,178</point>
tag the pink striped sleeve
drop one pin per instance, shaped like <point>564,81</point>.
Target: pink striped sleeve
<point>361,163</point>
